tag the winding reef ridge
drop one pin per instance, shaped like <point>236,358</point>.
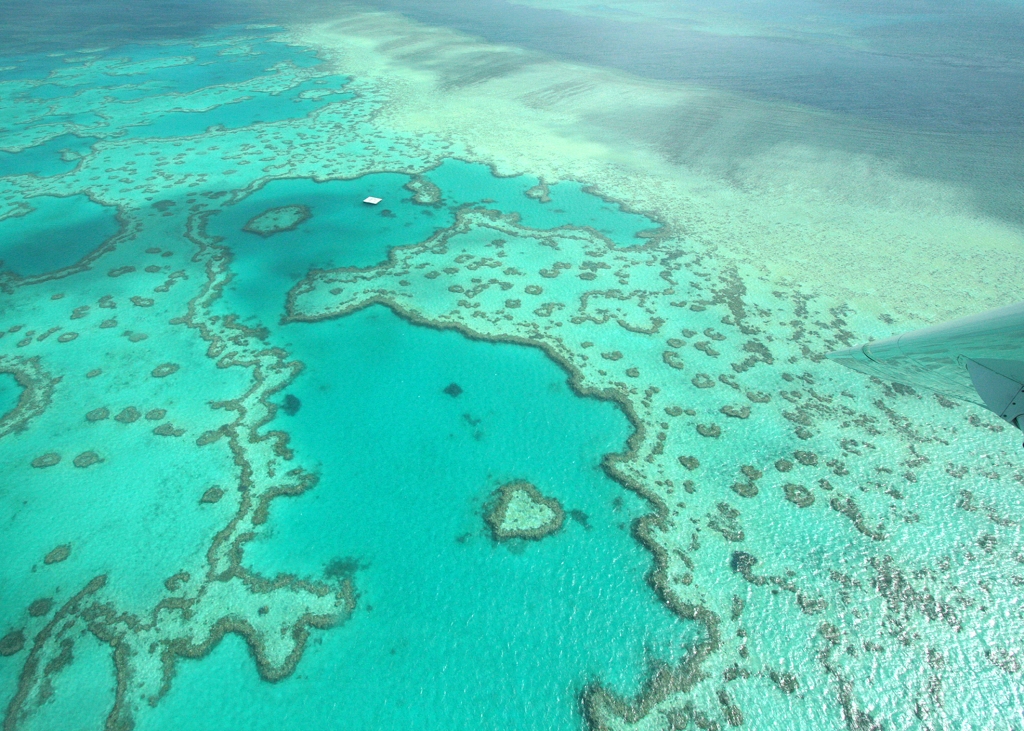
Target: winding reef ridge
<point>793,470</point>
<point>824,550</point>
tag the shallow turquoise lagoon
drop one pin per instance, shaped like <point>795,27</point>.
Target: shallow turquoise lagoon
<point>82,692</point>
<point>451,629</point>
<point>56,233</point>
<point>888,602</point>
<point>178,68</point>
<point>466,183</point>
<point>202,64</point>
<point>342,231</point>
<point>53,157</point>
<point>257,108</point>
<point>33,66</point>
<point>10,392</point>
<point>57,89</point>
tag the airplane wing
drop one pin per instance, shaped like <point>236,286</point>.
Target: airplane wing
<point>979,358</point>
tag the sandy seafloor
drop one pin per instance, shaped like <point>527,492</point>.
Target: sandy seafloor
<point>239,489</point>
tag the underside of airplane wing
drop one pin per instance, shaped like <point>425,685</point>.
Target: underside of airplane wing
<point>979,358</point>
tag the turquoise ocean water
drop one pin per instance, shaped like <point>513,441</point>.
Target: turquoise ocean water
<point>344,232</point>
<point>249,484</point>
<point>10,392</point>
<point>451,629</point>
<point>446,621</point>
<point>55,233</point>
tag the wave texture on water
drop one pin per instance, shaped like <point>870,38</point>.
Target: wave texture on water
<point>258,425</point>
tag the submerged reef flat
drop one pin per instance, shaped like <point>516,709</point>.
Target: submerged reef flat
<point>521,511</point>
<point>113,317</point>
<point>833,551</point>
<point>815,202</point>
<point>834,469</point>
<point>437,596</point>
<point>102,451</point>
<point>34,392</point>
<point>796,236</point>
<point>277,220</point>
